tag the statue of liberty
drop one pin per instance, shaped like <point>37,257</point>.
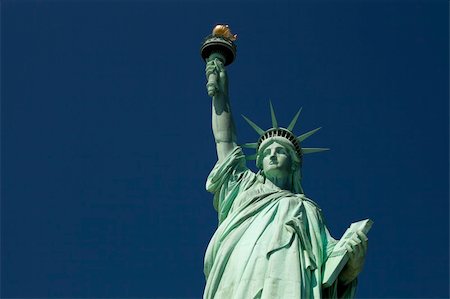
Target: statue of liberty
<point>272,240</point>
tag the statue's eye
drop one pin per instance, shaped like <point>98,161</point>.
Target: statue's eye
<point>281,151</point>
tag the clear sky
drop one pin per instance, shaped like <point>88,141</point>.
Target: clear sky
<point>106,139</point>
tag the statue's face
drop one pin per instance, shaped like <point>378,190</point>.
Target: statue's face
<point>276,160</point>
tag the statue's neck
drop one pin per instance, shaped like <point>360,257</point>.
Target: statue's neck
<point>284,183</point>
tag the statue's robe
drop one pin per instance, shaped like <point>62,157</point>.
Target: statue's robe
<point>270,243</point>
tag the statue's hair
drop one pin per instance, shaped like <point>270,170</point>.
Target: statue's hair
<point>296,164</point>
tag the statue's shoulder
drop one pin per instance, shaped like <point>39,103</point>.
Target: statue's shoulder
<point>310,203</point>
<point>313,210</point>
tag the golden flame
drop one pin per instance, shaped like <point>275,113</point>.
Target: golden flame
<point>224,31</point>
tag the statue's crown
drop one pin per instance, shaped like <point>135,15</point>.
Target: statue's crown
<point>278,132</point>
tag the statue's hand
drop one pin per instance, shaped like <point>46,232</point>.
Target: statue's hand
<point>357,248</point>
<point>217,78</point>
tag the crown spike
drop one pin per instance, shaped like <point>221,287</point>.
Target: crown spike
<point>254,126</point>
<point>306,135</point>
<point>294,120</point>
<point>250,145</point>
<point>250,157</point>
<point>272,114</point>
<point>310,150</point>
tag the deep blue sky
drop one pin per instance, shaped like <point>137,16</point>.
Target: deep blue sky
<point>106,139</point>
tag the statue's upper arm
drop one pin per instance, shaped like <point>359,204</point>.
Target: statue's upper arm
<point>224,149</point>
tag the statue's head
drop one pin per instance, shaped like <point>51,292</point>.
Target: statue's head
<point>278,159</point>
<point>279,152</point>
<point>278,155</point>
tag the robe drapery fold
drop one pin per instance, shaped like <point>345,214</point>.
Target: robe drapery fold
<point>270,243</point>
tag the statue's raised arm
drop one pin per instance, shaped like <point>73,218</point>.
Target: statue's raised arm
<point>218,51</point>
<point>222,120</point>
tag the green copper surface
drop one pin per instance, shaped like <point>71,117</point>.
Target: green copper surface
<point>272,114</point>
<point>271,240</point>
<point>294,120</point>
<point>254,126</point>
<point>307,134</point>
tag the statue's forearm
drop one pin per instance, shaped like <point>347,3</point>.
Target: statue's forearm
<point>223,126</point>
<point>348,275</point>
<point>222,120</point>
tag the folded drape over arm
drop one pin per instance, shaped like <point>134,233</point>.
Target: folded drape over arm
<point>226,180</point>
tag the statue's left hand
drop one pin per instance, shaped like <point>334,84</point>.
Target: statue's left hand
<point>357,249</point>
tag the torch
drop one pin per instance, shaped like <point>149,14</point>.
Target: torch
<point>218,45</point>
